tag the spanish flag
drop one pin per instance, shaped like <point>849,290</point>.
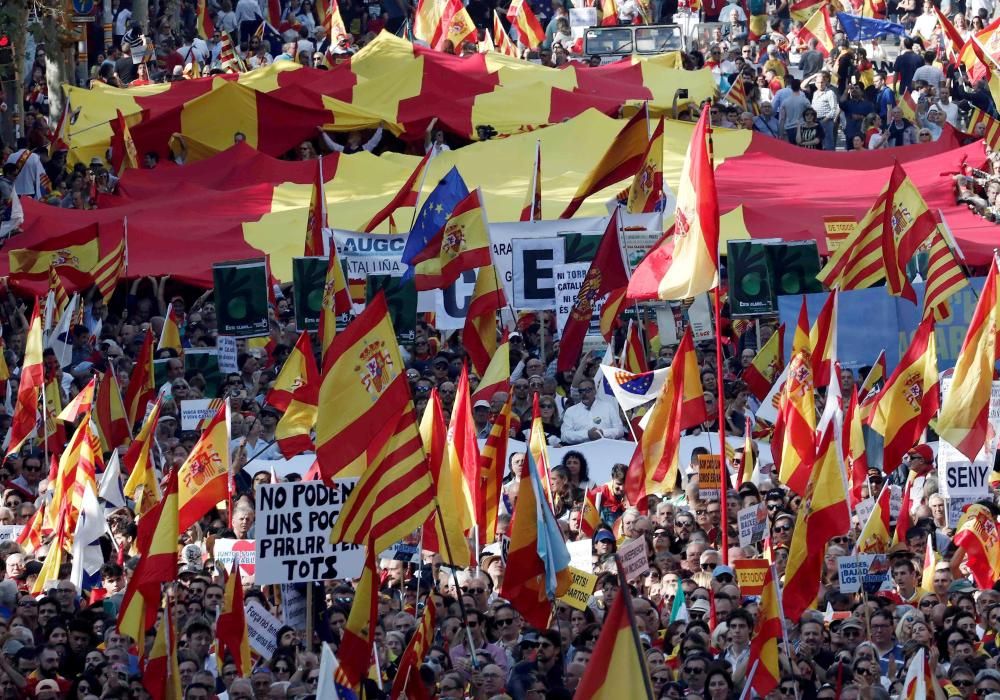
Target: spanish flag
<point>406,196</point>
<point>766,365</point>
<point>802,10</point>
<point>141,387</point>
<point>621,671</point>
<point>109,412</point>
<point>823,514</point>
<point>462,244</point>
<point>203,21</point>
<point>537,560</point>
<point>161,678</point>
<point>977,538</point>
<point>63,485</point>
<point>407,682</point>
<point>336,301</point>
<point>875,537</point>
<point>819,27</point>
<point>964,418</point>
<point>529,31</point>
<point>157,540</point>
<point>497,375</point>
<point>49,573</point>
<point>492,463</point>
<point>130,157</point>
<point>170,334</point>
<point>294,373</point>
<point>910,398</point>
<point>590,514</point>
<point>976,57</point>
<point>440,21</point>
<point>874,379</point>
<point>680,405</point>
<point>74,255</point>
<point>685,261</point>
<point>231,627</point>
<point>139,464</point>
<point>823,339</point>
<point>646,192</point>
<point>766,633</point>
<point>317,218</point>
<point>930,562</point>
<point>945,276</point>
<point>463,453</point>
<point>358,634</point>
<point>444,529</point>
<point>796,424</point>
<point>622,159</point>
<point>479,336</point>
<point>532,209</point>
<point>54,431</point>
<point>293,431</point>
<point>855,456</point>
<point>203,479</point>
<point>29,389</point>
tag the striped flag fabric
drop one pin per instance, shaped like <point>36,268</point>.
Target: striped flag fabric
<point>964,417</point>
<point>294,373</point>
<point>110,270</point>
<point>203,479</point>
<point>58,296</point>
<point>336,301</point>
<point>645,195</point>
<point>909,399</point>
<point>141,386</point>
<point>766,633</point>
<point>228,60</point>
<point>438,21</point>
<point>231,627</point>
<point>953,40</point>
<point>162,677</point>
<point>633,357</point>
<point>766,365</point>
<point>802,10</point>
<point>497,375</point>
<point>823,341</point>
<point>407,682</point>
<point>529,30</point>
<point>797,414</point>
<point>737,95</point>
<point>945,276</point>
<point>462,451</point>
<point>504,44</point>
<point>983,126</point>
<point>109,413</point>
<point>479,336</point>
<point>492,464</point>
<point>332,20</point>
<point>855,456</point>
<point>30,385</point>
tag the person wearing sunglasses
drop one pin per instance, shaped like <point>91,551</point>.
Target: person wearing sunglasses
<point>694,670</point>
<point>590,419</point>
<point>781,531</point>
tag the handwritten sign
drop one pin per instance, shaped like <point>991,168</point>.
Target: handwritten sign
<point>709,477</point>
<point>580,589</point>
<point>239,552</point>
<point>262,629</point>
<point>750,575</point>
<point>635,562</point>
<point>752,522</point>
<point>867,571</point>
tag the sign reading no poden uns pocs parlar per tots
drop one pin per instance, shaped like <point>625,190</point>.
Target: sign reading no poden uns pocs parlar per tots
<point>293,527</point>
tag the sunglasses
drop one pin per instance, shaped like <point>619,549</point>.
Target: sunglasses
<point>503,623</point>
<point>782,528</point>
<point>708,567</point>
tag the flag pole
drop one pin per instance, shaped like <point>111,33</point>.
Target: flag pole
<point>623,591</point>
<point>420,189</point>
<point>454,576</point>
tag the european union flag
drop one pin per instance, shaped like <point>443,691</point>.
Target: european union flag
<point>859,28</point>
<point>433,215</point>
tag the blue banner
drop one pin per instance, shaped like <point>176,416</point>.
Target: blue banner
<point>870,320</point>
<point>859,28</point>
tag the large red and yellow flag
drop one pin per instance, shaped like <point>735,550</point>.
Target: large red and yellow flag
<point>606,277</point>
<point>537,560</point>
<point>964,418</point>
<point>203,479</point>
<point>29,389</point>
<point>142,384</point>
<point>766,365</point>
<point>444,531</point>
<point>824,514</point>
<point>529,30</point>
<point>532,209</point>
<point>819,27</point>
<point>293,432</point>
<point>685,261</point>
<point>479,336</point>
<point>162,677</point>
<point>681,404</point>
<point>440,21</point>
<point>910,398</point>
<point>138,463</point>
<point>492,463</point>
<point>622,671</point>
<point>157,540</point>
<point>109,412</point>
<point>876,536</point>
<point>797,415</point>
<point>766,633</point>
<point>406,196</point>
<point>407,682</point>
<point>646,192</point>
<point>977,538</point>
<point>231,627</point>
<point>945,276</point>
<point>622,159</point>
<point>463,243</point>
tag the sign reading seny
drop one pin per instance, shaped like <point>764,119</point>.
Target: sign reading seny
<point>293,527</point>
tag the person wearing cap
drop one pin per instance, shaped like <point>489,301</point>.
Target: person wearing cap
<point>591,419</point>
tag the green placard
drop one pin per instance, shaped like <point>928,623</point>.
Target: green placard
<point>749,272</point>
<point>160,372</point>
<point>401,298</point>
<point>308,283</point>
<point>580,247</point>
<point>241,298</point>
<point>204,361</point>
<point>794,267</point>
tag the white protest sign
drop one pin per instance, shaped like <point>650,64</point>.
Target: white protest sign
<point>299,465</point>
<point>262,629</point>
<point>955,504</point>
<point>10,532</point>
<point>895,499</point>
<point>242,553</point>
<point>864,510</point>
<point>752,522</point>
<point>366,254</point>
<point>957,476</point>
<point>868,571</point>
<point>700,316</point>
<point>569,279</point>
<point>535,263</point>
<point>401,551</point>
<point>293,607</point>
<point>634,560</point>
<point>451,305</point>
<point>194,411</point>
<point>581,555</point>
<point>293,527</point>
<point>226,345</point>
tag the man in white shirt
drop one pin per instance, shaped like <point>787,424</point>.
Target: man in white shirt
<point>945,104</point>
<point>926,23</point>
<point>827,106</point>
<point>31,179</point>
<point>591,419</point>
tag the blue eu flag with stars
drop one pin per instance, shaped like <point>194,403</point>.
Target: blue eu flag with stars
<point>433,215</point>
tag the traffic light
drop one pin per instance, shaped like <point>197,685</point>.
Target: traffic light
<point>6,49</point>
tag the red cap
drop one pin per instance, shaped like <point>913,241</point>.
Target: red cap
<point>924,451</point>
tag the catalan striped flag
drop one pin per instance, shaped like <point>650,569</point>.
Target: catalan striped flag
<point>231,627</point>
<point>537,560</point>
<point>797,415</point>
<point>157,540</point>
<point>645,195</point>
<point>503,41</point>
<point>766,633</point>
<point>633,357</point>
<point>964,417</point>
<point>532,209</point>
<point>909,399</point>
<point>332,20</point>
<point>945,276</point>
<point>58,296</point>
<point>492,463</point>
<point>110,270</point>
<point>29,389</point>
<point>737,95</point>
<point>161,677</point>
<point>229,61</point>
<point>766,365</point>
<point>444,529</point>
<point>407,682</point>
<point>983,126</point>
<point>406,196</point>
<point>479,336</point>
<point>141,386</point>
<point>529,30</point>
<point>681,404</point>
<point>203,479</point>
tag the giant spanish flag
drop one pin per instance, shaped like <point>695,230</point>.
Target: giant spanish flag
<point>824,514</point>
<point>74,255</point>
<point>537,560</point>
<point>444,531</point>
<point>621,672</point>
<point>964,417</point>
<point>203,479</point>
<point>463,243</point>
<point>977,538</point>
<point>910,398</point>
<point>231,627</point>
<point>766,365</point>
<point>797,415</point>
<point>766,633</point>
<point>30,387</point>
<point>479,336</point>
<point>681,404</point>
<point>685,262</point>
<point>138,462</point>
<point>157,541</point>
<point>646,192</point>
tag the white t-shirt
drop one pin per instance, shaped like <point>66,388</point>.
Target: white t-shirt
<point>29,180</point>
